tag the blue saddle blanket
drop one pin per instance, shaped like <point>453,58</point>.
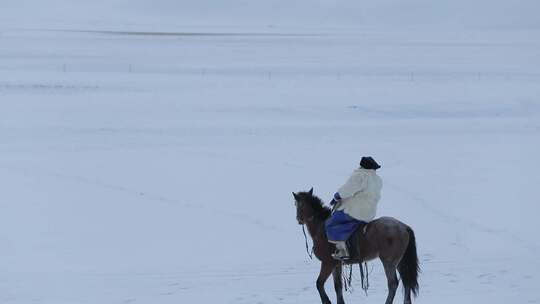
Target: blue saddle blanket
<point>340,226</point>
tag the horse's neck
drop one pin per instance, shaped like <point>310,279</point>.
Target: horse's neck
<point>316,230</point>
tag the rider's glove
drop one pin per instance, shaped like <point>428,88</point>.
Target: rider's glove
<point>336,199</point>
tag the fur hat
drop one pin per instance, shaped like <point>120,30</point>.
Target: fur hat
<point>368,162</point>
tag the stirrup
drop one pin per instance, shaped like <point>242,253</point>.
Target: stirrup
<point>338,256</point>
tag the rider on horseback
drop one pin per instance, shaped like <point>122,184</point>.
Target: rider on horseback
<point>355,204</point>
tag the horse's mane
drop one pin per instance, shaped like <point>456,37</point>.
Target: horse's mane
<point>319,209</point>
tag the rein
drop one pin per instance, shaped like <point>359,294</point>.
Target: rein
<point>364,277</point>
<point>310,254</point>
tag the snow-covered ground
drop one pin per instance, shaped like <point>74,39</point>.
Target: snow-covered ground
<point>153,162</point>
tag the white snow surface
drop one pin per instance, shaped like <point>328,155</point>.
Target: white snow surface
<point>149,149</point>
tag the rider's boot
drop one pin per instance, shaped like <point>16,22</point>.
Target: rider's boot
<point>342,253</point>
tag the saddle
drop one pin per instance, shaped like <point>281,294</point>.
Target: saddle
<point>355,241</point>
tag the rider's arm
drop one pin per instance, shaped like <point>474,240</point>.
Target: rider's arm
<point>355,183</point>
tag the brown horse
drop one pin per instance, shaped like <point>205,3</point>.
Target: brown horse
<point>386,238</point>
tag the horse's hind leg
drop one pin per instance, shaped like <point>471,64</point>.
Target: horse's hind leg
<point>390,270</point>
<point>326,270</point>
<point>407,299</point>
<point>338,284</point>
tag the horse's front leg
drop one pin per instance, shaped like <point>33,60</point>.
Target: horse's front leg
<point>326,270</point>
<point>338,283</point>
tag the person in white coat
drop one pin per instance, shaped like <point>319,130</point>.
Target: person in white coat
<point>355,204</point>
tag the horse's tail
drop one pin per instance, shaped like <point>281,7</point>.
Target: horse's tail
<point>408,266</point>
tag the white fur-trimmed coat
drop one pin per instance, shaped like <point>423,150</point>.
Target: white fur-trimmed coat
<point>360,194</point>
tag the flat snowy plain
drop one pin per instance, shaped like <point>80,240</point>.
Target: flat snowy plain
<point>158,168</point>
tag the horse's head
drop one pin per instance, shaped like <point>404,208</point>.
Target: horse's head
<point>304,210</point>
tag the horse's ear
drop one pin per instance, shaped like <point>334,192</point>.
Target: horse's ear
<point>311,191</point>
<point>295,196</point>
